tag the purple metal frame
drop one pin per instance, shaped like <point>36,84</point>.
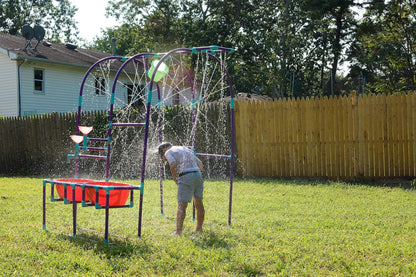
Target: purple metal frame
<point>107,157</point>
<point>209,50</point>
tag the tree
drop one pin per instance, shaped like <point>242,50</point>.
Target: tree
<point>283,47</point>
<point>333,23</point>
<point>150,25</point>
<point>386,47</point>
<point>55,16</point>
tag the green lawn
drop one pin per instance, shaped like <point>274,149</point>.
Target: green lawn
<point>279,227</point>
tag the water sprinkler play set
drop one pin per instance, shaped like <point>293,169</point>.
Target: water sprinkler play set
<point>109,195</point>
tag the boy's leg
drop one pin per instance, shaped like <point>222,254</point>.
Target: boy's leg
<point>200,214</point>
<point>180,216</point>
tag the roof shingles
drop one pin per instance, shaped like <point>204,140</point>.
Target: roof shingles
<point>51,52</point>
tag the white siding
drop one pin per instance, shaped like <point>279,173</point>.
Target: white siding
<point>61,91</point>
<point>91,101</point>
<point>8,87</point>
<point>185,96</point>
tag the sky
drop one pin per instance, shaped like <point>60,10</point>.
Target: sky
<point>91,18</point>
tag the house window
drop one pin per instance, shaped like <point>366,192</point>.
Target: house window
<point>99,86</point>
<point>39,82</point>
<point>135,95</point>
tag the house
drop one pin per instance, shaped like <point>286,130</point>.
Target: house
<point>39,77</point>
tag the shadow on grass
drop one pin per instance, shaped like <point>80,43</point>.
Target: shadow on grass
<point>117,246</point>
<point>209,239</point>
<point>405,183</point>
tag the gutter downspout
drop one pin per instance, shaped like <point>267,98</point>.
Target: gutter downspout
<point>19,94</point>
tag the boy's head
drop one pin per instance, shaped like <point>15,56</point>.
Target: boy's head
<point>162,147</point>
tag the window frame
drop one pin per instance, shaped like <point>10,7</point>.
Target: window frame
<point>100,85</point>
<point>37,81</point>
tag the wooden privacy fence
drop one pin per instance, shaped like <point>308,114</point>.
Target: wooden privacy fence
<point>38,145</point>
<point>350,137</point>
<point>33,144</point>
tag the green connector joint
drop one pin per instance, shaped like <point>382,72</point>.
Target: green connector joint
<point>124,59</point>
<point>229,157</point>
<point>44,227</point>
<point>157,56</point>
<point>232,103</point>
<point>131,204</point>
<point>232,50</point>
<point>74,235</point>
<point>214,47</point>
<point>80,100</point>
<point>110,124</point>
<point>98,206</point>
<point>149,97</point>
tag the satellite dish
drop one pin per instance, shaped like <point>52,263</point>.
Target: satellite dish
<point>27,32</point>
<point>39,32</point>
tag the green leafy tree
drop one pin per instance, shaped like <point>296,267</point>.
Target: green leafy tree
<point>332,23</point>
<point>284,47</point>
<point>149,25</point>
<point>55,16</point>
<point>386,47</point>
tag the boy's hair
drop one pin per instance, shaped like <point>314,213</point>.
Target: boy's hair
<point>163,146</point>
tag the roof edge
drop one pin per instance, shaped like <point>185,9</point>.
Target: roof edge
<point>24,57</point>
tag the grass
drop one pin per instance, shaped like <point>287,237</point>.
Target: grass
<point>279,227</point>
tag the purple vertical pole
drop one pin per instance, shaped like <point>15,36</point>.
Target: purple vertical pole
<point>140,214</point>
<point>74,212</point>
<point>44,206</point>
<point>193,140</point>
<point>107,209</point>
<point>159,127</point>
<point>230,205</point>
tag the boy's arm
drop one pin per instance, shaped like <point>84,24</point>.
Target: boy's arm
<point>174,170</point>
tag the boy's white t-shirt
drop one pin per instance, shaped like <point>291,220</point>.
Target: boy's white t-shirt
<point>184,157</point>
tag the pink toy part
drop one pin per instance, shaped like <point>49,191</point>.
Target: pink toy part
<point>117,197</point>
<point>78,190</point>
<point>77,139</point>
<point>85,129</point>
